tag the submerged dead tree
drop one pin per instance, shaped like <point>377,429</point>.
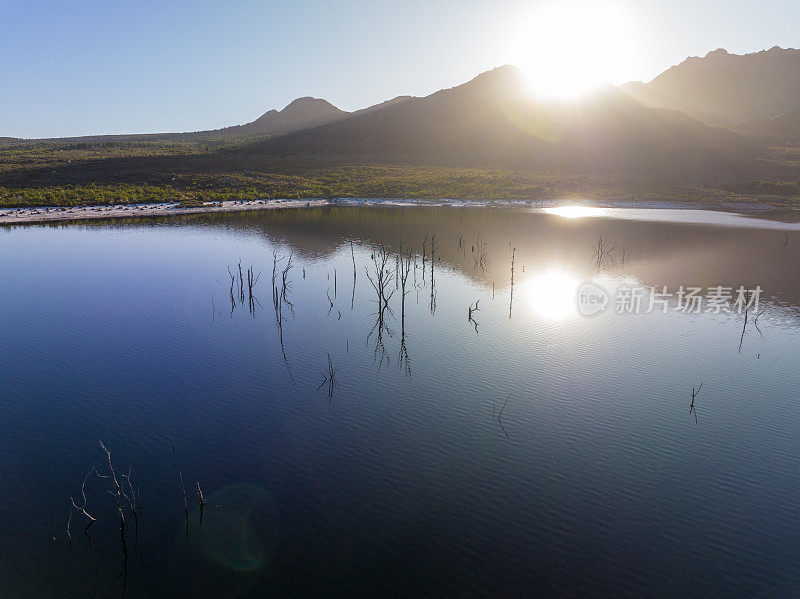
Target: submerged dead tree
<point>329,379</point>
<point>511,296</point>
<point>82,510</point>
<point>252,280</point>
<point>233,284</point>
<point>480,254</point>
<point>279,298</point>
<point>403,361</point>
<point>604,252</point>
<point>470,312</point>
<point>424,249</point>
<point>381,283</point>
<point>499,415</point>
<point>126,504</point>
<point>286,284</point>
<point>744,329</point>
<point>242,280</point>
<point>692,409</point>
<point>433,281</point>
<point>355,275</point>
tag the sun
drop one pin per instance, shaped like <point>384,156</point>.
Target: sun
<point>569,48</point>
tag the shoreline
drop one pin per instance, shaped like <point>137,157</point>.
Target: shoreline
<point>12,216</point>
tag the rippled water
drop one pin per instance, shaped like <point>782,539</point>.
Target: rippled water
<point>400,479</point>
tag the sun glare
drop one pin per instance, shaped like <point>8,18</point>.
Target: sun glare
<point>551,294</point>
<point>570,48</point>
<point>576,211</point>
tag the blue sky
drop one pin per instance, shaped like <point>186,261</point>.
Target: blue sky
<point>92,67</point>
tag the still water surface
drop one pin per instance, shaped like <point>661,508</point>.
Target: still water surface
<point>398,478</point>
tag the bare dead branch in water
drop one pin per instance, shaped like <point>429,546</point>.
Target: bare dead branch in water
<point>511,296</point>
<point>278,299</point>
<point>433,282</point>
<point>185,504</point>
<point>504,407</point>
<point>200,494</point>
<point>238,282</point>
<point>755,321</point>
<point>424,249</point>
<point>233,297</point>
<point>499,416</point>
<point>744,329</point>
<point>692,409</point>
<point>470,311</point>
<point>252,280</point>
<point>329,379</point>
<point>285,284</point>
<point>355,275</point>
<point>625,254</point>
<point>480,254</point>
<point>353,255</point>
<point>604,252</point>
<point>403,361</point>
<point>69,522</point>
<point>383,279</point>
<point>81,508</point>
<point>241,283</point>
<point>202,501</point>
<point>118,492</point>
<point>125,497</point>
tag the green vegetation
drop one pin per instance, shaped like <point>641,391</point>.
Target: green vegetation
<point>107,172</point>
<point>484,139</point>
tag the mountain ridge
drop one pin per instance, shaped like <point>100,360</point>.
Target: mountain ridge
<point>723,89</point>
<point>493,120</point>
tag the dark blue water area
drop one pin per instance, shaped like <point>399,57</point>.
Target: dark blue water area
<point>399,479</point>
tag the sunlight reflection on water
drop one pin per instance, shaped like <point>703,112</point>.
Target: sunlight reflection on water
<point>551,293</point>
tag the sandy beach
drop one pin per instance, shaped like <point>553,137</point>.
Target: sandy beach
<point>38,215</point>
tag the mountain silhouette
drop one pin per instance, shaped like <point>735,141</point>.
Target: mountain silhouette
<point>724,89</point>
<point>495,121</point>
<point>299,114</point>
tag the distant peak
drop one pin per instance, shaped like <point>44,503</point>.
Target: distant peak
<point>718,52</point>
<point>308,101</point>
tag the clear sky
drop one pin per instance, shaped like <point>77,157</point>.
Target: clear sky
<point>84,67</point>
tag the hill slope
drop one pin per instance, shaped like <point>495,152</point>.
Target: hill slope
<point>783,125</point>
<point>492,121</point>
<point>299,114</point>
<point>723,89</point>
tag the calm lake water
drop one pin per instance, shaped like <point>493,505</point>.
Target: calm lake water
<point>529,449</point>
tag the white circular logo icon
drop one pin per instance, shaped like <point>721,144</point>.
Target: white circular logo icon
<point>591,299</point>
